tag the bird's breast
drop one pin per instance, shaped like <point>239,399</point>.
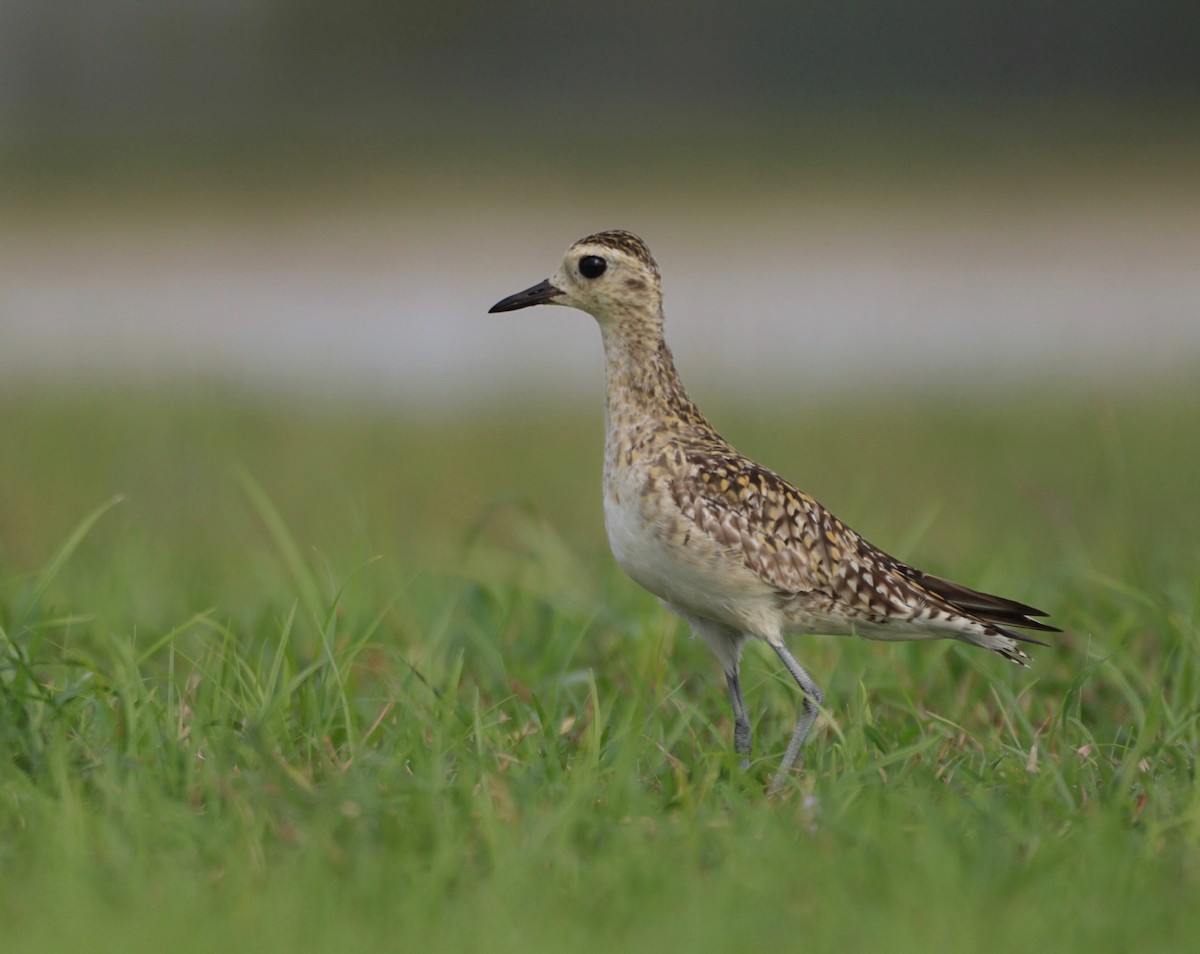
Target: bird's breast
<point>665,552</point>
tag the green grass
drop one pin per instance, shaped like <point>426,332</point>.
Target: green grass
<point>337,678</point>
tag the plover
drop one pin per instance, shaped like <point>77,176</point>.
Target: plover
<point>729,546</point>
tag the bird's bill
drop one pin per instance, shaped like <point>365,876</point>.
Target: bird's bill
<point>539,294</point>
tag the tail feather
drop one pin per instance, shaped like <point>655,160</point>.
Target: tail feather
<point>996,614</point>
<point>998,610</point>
<point>999,643</point>
<point>1000,639</point>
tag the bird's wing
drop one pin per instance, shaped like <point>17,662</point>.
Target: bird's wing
<point>798,547</point>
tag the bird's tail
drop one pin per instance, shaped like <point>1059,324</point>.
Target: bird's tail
<point>996,613</point>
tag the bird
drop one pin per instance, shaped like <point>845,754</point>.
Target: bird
<point>729,546</point>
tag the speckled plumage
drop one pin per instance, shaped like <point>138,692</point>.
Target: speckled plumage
<point>731,547</point>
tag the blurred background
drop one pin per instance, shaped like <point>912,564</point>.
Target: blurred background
<point>935,261</point>
<point>267,233</point>
<point>301,194</point>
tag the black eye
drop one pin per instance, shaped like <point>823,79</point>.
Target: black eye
<point>592,266</point>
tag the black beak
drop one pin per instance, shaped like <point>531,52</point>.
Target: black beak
<point>539,294</point>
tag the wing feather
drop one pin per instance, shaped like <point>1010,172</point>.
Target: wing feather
<point>798,547</point>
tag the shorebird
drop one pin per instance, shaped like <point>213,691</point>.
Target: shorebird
<point>728,545</point>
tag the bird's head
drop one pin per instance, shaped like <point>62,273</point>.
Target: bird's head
<point>610,275</point>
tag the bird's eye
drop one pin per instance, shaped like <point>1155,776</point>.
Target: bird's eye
<point>592,266</point>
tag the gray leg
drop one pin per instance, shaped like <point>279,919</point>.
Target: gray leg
<point>741,724</point>
<point>813,699</point>
<point>726,643</point>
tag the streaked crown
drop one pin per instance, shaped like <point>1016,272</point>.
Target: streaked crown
<point>610,275</point>
<point>621,241</point>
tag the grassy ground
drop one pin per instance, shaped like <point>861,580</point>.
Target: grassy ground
<point>334,678</point>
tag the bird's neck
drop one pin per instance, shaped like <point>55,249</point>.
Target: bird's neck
<point>643,389</point>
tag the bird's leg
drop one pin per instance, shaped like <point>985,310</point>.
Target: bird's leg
<point>741,724</point>
<point>813,699</point>
<point>726,644</point>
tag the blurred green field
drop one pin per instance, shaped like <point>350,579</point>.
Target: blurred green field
<point>338,676</point>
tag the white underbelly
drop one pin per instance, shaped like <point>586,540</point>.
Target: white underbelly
<point>674,560</point>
